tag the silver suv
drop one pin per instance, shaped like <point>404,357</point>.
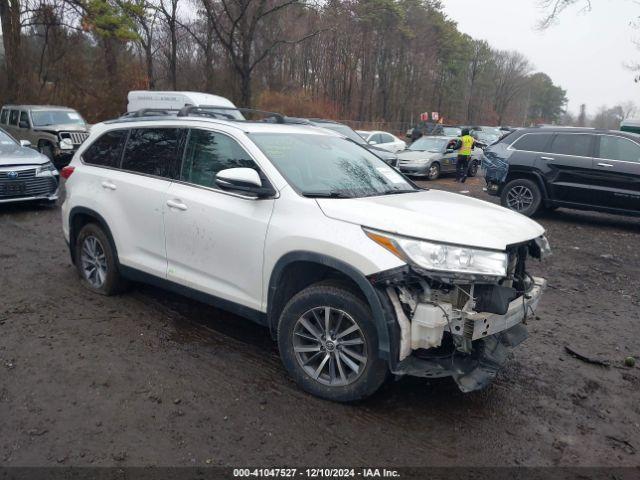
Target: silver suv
<point>56,132</point>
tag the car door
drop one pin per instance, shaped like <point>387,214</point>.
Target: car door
<point>215,238</point>
<point>387,142</point>
<point>375,139</point>
<point>12,126</point>
<point>449,160</point>
<point>24,125</point>
<point>617,172</point>
<point>568,167</point>
<point>136,196</point>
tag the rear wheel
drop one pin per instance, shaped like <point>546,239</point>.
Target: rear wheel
<point>434,171</point>
<point>523,196</point>
<point>329,345</point>
<point>96,261</point>
<point>473,169</point>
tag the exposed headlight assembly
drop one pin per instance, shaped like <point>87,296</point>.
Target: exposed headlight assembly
<point>46,169</point>
<point>448,260</point>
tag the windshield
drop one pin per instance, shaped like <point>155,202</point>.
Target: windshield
<point>429,144</point>
<point>344,130</point>
<point>6,139</point>
<point>452,131</point>
<point>326,166</point>
<point>42,118</point>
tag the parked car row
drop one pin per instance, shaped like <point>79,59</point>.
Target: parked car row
<point>356,272</point>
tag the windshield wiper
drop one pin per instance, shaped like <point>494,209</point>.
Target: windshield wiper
<point>331,194</point>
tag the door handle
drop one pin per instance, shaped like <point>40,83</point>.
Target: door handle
<point>547,158</point>
<point>605,165</point>
<point>108,185</point>
<point>177,204</point>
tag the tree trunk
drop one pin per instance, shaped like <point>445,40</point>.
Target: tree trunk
<point>11,30</point>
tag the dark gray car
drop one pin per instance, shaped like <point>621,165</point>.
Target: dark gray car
<point>25,174</point>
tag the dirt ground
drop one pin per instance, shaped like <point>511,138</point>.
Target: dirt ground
<point>150,378</point>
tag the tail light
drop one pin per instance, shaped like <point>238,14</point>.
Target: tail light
<point>67,171</point>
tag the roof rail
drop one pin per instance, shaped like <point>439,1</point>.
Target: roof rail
<point>214,110</point>
<point>148,112</point>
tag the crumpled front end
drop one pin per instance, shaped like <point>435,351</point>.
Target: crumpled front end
<point>462,328</point>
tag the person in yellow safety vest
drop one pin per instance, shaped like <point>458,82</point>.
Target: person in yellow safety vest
<point>466,144</point>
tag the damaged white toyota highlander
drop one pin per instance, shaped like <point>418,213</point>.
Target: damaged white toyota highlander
<point>355,271</point>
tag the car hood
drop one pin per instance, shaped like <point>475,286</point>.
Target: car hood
<point>65,127</point>
<point>16,155</point>
<point>416,155</point>
<point>438,216</point>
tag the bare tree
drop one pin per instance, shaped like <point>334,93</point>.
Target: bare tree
<point>10,16</point>
<point>238,23</point>
<point>512,70</point>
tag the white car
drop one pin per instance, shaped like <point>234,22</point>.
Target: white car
<point>383,140</point>
<point>356,272</point>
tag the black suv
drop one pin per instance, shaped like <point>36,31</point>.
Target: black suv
<point>551,167</point>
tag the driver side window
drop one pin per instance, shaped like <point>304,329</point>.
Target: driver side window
<point>209,152</point>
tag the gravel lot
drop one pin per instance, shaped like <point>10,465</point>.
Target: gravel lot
<point>150,378</point>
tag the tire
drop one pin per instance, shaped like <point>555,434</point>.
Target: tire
<point>94,248</point>
<point>329,372</point>
<point>434,171</point>
<point>523,196</point>
<point>473,169</point>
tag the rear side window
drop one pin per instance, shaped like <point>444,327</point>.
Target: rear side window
<point>106,150</point>
<point>209,152</point>
<point>13,117</point>
<point>572,144</point>
<point>154,151</point>
<point>533,142</point>
<point>4,116</point>
<point>24,118</point>
<point>618,148</point>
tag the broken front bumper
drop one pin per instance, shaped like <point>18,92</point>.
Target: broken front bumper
<point>492,336</point>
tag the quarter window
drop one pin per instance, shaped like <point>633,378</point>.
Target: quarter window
<point>13,117</point>
<point>618,148</point>
<point>106,151</point>
<point>153,151</point>
<point>4,116</point>
<point>572,144</point>
<point>209,152</point>
<point>533,142</point>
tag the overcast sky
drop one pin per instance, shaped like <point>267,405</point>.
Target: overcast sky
<point>583,53</point>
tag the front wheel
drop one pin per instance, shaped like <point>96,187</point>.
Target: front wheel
<point>96,261</point>
<point>434,171</point>
<point>329,344</point>
<point>523,196</point>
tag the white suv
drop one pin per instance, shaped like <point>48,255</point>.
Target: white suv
<point>356,272</point>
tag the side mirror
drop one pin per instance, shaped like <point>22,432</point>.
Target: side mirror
<point>243,180</point>
<point>23,124</point>
<point>25,143</point>
<point>449,150</point>
<point>372,142</point>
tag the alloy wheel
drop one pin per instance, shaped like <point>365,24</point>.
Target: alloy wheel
<point>94,261</point>
<point>433,172</point>
<point>519,198</point>
<point>330,346</point>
